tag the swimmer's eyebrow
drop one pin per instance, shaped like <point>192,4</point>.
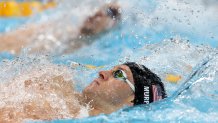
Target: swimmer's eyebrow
<point>120,67</point>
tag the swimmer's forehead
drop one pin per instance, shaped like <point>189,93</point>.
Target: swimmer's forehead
<point>125,68</point>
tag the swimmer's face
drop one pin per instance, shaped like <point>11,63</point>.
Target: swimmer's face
<point>108,89</point>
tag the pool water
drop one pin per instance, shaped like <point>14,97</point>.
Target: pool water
<point>170,37</point>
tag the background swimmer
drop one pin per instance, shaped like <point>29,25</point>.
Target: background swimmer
<point>41,38</point>
<point>125,85</point>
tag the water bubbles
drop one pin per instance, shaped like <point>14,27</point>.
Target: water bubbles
<point>136,36</point>
<point>108,1</point>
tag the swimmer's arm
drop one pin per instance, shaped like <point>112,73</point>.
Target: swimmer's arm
<point>15,40</point>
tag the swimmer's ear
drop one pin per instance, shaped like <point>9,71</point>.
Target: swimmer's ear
<point>130,100</point>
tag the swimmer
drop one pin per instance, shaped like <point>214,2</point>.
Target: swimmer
<point>41,38</point>
<point>128,84</point>
<point>103,20</point>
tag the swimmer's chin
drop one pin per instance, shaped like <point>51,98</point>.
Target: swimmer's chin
<point>92,86</point>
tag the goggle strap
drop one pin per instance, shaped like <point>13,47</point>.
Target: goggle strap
<point>127,81</point>
<point>130,85</point>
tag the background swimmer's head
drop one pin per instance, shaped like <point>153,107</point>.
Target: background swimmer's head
<point>108,90</point>
<point>102,20</point>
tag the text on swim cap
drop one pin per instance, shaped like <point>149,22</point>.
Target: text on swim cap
<point>146,94</point>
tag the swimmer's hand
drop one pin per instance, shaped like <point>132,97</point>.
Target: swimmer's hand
<point>104,19</point>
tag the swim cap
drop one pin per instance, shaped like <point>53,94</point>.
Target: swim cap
<point>148,86</point>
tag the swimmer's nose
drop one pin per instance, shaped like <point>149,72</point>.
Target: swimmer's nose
<point>104,75</point>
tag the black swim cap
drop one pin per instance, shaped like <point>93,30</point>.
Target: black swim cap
<point>148,86</point>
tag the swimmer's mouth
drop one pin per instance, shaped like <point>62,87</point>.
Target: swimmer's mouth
<point>97,82</point>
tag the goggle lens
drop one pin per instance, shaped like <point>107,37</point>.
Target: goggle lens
<point>118,74</point>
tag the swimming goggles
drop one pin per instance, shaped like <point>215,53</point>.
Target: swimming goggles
<point>121,75</point>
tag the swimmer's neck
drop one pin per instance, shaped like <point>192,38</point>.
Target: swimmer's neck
<point>96,108</point>
<point>101,106</point>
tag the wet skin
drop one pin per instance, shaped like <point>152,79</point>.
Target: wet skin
<point>105,94</point>
<point>109,93</point>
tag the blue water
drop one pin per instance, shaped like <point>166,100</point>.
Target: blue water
<point>180,36</point>
<point>7,24</point>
